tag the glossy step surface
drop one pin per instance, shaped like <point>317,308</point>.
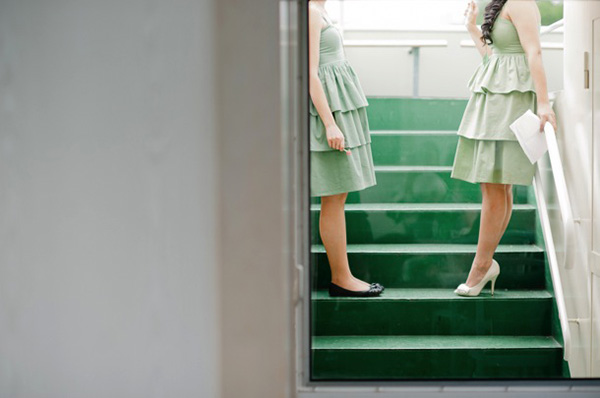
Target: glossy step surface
<point>422,184</point>
<point>398,148</point>
<point>432,265</point>
<point>434,312</point>
<point>425,223</point>
<point>415,113</point>
<point>430,357</point>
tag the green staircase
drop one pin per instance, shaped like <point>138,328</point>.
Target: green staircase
<point>416,233</point>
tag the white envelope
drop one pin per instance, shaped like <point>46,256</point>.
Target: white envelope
<point>527,131</point>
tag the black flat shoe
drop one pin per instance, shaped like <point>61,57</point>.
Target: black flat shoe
<point>338,291</point>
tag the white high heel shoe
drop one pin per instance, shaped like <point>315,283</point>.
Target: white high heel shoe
<point>490,275</point>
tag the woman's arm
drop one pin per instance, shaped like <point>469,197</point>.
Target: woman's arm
<point>524,15</point>
<point>471,23</point>
<point>335,138</point>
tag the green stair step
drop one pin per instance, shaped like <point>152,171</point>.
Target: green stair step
<point>425,223</point>
<point>432,265</point>
<point>422,184</point>
<point>423,148</point>
<point>434,312</point>
<point>415,113</point>
<point>426,357</point>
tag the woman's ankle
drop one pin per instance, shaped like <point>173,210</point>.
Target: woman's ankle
<point>482,263</point>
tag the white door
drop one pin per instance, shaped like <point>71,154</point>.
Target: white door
<point>595,260</point>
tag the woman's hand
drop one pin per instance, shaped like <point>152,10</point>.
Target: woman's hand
<point>471,14</point>
<point>546,114</point>
<point>335,138</point>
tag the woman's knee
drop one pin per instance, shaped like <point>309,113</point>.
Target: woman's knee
<point>493,191</point>
<point>334,200</point>
<point>509,193</point>
<point>494,196</point>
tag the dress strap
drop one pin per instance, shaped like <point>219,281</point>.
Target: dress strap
<point>327,20</point>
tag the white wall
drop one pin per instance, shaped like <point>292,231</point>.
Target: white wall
<point>575,136</point>
<point>388,71</point>
<point>108,278</point>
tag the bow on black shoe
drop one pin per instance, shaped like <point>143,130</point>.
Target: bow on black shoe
<point>377,285</point>
<point>338,291</point>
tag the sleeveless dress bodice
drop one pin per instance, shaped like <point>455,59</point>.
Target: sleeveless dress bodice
<point>344,94</point>
<point>506,38</point>
<point>331,46</point>
<point>503,78</point>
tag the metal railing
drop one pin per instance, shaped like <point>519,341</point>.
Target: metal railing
<point>414,49</point>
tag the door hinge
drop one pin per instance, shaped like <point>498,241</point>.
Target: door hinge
<point>586,70</point>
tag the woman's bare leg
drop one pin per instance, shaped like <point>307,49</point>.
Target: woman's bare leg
<point>509,206</point>
<point>332,226</point>
<point>494,220</point>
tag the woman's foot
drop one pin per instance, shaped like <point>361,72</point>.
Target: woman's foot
<point>364,284</point>
<point>477,272</point>
<point>474,290</point>
<point>351,283</point>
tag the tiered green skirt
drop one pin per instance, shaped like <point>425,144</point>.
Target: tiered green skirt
<point>488,151</point>
<point>333,172</point>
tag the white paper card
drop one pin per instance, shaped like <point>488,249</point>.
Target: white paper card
<point>527,131</point>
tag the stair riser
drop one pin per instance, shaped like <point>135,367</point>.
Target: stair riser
<point>413,149</point>
<point>435,226</point>
<point>468,316</point>
<point>431,364</point>
<point>423,270</point>
<point>415,114</point>
<point>423,187</point>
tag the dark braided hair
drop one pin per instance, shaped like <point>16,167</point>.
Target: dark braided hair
<point>492,10</point>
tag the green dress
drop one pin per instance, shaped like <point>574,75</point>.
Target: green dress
<point>333,172</point>
<point>502,90</point>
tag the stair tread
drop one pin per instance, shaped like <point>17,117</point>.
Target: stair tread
<point>435,294</point>
<point>436,342</point>
<point>445,169</point>
<point>414,132</point>
<point>398,248</point>
<point>420,207</point>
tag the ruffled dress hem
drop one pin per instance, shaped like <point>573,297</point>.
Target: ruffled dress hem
<point>334,172</point>
<point>347,103</point>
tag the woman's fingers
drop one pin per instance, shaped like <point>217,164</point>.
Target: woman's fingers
<point>332,143</point>
<point>337,143</point>
<point>543,120</point>
<point>548,118</point>
<point>553,121</point>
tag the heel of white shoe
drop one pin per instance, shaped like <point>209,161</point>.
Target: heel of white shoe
<point>494,283</point>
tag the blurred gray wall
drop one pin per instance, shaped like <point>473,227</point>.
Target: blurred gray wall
<point>108,283</point>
